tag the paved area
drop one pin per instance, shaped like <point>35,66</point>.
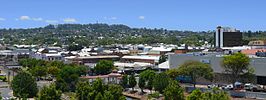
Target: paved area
<point>6,91</point>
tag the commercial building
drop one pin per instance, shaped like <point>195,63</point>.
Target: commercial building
<point>90,59</point>
<point>227,37</point>
<point>258,63</point>
<point>145,59</point>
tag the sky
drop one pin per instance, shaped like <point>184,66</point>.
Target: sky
<point>195,15</point>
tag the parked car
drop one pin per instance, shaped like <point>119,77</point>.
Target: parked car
<point>253,87</point>
<point>229,87</point>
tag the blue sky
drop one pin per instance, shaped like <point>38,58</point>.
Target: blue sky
<point>196,15</point>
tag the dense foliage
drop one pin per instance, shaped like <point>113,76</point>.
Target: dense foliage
<point>67,75</point>
<point>124,81</point>
<point>195,70</point>
<point>104,67</point>
<point>24,85</point>
<point>215,94</point>
<point>100,34</point>
<point>132,81</point>
<point>160,82</point>
<point>236,65</point>
<point>49,93</point>
<point>173,91</point>
<point>146,79</point>
<point>98,91</point>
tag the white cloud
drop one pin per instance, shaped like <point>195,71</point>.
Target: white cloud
<point>24,18</point>
<point>51,21</point>
<point>141,17</point>
<point>37,19</point>
<point>2,19</point>
<point>113,18</point>
<point>110,18</point>
<point>69,20</point>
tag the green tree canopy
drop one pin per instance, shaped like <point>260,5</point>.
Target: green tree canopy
<point>24,85</point>
<point>67,78</point>
<point>146,79</point>
<point>141,83</point>
<point>173,73</point>
<point>195,70</point>
<point>116,91</point>
<point>173,91</point>
<point>215,94</point>
<point>39,71</point>
<point>132,81</point>
<point>236,65</point>
<point>53,70</point>
<point>49,93</point>
<point>160,82</point>
<point>108,96</point>
<point>124,81</point>
<point>195,95</point>
<point>84,91</point>
<point>104,67</point>
<point>97,90</point>
<point>162,59</point>
<point>98,85</point>
<point>99,96</point>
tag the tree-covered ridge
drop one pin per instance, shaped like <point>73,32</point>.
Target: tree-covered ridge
<point>88,34</point>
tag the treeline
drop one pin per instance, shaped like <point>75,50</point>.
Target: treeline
<point>97,34</point>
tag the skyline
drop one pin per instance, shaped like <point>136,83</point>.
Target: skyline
<point>173,15</point>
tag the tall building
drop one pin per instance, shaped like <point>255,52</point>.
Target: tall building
<point>227,37</point>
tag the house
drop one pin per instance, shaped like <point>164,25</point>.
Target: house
<point>258,44</point>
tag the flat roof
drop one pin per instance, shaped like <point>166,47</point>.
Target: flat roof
<point>142,57</point>
<point>135,64</point>
<point>92,57</point>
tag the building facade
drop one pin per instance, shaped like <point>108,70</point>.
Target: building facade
<point>227,37</point>
<point>258,63</point>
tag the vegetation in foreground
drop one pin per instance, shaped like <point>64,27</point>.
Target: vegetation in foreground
<point>162,83</point>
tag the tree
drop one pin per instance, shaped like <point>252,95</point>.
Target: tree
<point>195,70</point>
<point>141,83</point>
<point>74,47</point>
<point>67,78</point>
<point>124,82</point>
<point>132,81</point>
<point>84,91</point>
<point>172,73</point>
<point>99,96</point>
<point>58,64</point>
<point>162,59</point>
<point>98,85</point>
<point>150,84</point>
<point>108,96</point>
<point>24,85</point>
<point>215,94</point>
<point>39,71</point>
<point>160,82</point>
<point>104,67</point>
<point>148,76</point>
<point>49,93</point>
<point>236,65</point>
<point>173,91</point>
<point>195,95</point>
<point>53,70</point>
<point>116,91</point>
